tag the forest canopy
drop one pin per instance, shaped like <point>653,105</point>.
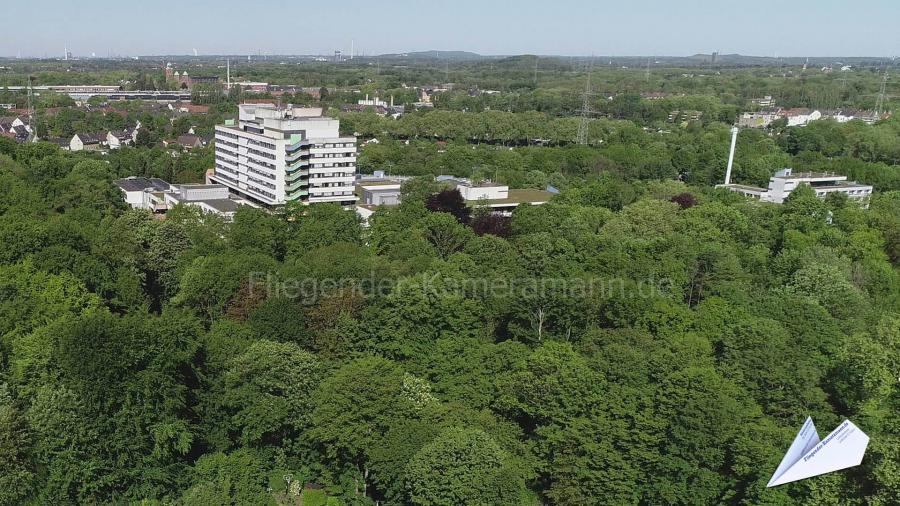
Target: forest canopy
<point>655,343</point>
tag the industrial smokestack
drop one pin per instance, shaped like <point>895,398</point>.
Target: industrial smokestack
<point>734,132</point>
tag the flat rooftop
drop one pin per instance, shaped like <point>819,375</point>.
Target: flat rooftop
<point>841,185</point>
<point>744,187</point>
<point>136,184</point>
<point>221,205</point>
<point>811,175</point>
<point>199,186</point>
<point>516,197</point>
<point>378,183</point>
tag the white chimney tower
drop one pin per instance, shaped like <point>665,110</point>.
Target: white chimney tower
<point>734,132</point>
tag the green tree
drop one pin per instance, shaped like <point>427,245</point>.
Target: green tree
<point>267,392</point>
<point>462,466</point>
<point>17,473</point>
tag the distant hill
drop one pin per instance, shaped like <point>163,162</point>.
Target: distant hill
<point>437,55</point>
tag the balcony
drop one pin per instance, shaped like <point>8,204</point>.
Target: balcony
<point>345,180</point>
<point>331,189</point>
<point>296,164</point>
<point>296,185</point>
<point>296,177</point>
<point>296,194</point>
<point>300,155</point>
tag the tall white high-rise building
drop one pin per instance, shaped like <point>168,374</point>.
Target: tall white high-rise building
<point>273,155</point>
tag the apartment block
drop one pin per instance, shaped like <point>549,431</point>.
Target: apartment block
<point>273,155</point>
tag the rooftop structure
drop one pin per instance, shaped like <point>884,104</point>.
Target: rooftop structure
<point>273,155</point>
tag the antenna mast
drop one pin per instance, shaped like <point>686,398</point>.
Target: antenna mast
<point>31,108</point>
<point>585,106</point>
<point>879,104</point>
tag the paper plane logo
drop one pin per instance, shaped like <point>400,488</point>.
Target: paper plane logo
<point>808,456</point>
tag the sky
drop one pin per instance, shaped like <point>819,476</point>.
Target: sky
<point>492,27</point>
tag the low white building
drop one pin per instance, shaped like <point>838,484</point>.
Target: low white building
<point>785,181</point>
<point>144,193</point>
<point>482,191</point>
<point>379,193</point>
<point>159,196</point>
<point>499,198</point>
<point>210,198</point>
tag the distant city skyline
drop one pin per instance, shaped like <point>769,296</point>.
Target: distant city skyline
<point>565,27</point>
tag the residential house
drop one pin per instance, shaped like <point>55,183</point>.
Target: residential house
<point>654,95</point>
<point>759,119</point>
<point>15,129</point>
<point>59,141</point>
<point>189,108</point>
<point>765,102</point>
<point>376,102</point>
<point>255,87</point>
<point>87,142</point>
<point>800,116</point>
<point>377,109</point>
<point>189,141</point>
<point>684,116</point>
<point>118,138</point>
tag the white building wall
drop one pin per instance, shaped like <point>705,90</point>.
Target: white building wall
<point>483,192</point>
<point>135,199</point>
<point>323,169</point>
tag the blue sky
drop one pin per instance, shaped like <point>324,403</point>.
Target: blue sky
<point>567,27</point>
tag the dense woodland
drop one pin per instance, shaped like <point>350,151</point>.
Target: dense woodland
<point>642,339</point>
<point>147,360</point>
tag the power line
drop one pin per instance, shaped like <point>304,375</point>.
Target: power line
<point>585,106</point>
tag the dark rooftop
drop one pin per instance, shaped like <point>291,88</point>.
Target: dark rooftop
<point>91,138</point>
<point>136,184</point>
<point>221,205</point>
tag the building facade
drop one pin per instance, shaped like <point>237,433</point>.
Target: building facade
<point>785,181</point>
<point>158,196</point>
<point>274,155</point>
